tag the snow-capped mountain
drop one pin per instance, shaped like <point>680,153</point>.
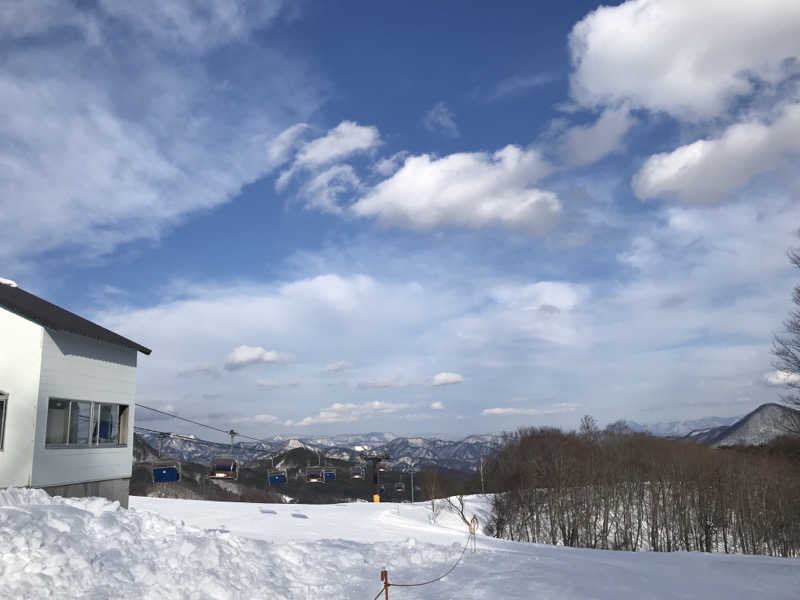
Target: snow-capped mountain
<point>761,426</point>
<point>461,455</point>
<point>682,428</point>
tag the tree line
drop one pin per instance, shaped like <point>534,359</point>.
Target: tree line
<point>615,489</point>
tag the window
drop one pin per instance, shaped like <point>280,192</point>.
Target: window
<point>110,425</point>
<point>3,403</point>
<point>80,424</point>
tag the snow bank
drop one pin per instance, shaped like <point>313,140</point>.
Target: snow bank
<point>91,548</point>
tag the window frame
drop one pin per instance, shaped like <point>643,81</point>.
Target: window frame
<point>95,410</point>
<point>3,414</point>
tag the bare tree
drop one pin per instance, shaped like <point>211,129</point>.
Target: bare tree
<point>786,348</point>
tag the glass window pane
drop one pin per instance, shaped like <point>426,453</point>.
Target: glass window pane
<point>57,418</point>
<point>79,423</point>
<point>108,424</point>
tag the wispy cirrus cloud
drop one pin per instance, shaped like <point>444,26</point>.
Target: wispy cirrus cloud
<point>517,85</point>
<point>121,133</point>
<point>442,120</point>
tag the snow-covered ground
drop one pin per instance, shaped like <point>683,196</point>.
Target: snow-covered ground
<point>55,548</point>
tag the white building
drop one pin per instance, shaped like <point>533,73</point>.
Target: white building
<point>67,399</point>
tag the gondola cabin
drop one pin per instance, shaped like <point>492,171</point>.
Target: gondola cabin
<point>277,477</point>
<point>223,467</point>
<point>67,400</point>
<point>399,488</point>
<point>315,475</point>
<point>357,472</point>
<point>166,472</point>
<point>330,474</point>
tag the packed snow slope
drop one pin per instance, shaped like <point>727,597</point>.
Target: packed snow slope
<point>165,549</point>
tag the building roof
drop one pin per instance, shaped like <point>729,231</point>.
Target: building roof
<point>51,316</point>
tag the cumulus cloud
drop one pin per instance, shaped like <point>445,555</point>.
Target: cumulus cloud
<point>585,144</point>
<point>465,189</point>
<point>446,378</point>
<point>683,57</point>
<point>441,119</point>
<point>243,356</point>
<point>348,413</point>
<point>782,378</point>
<point>561,407</point>
<point>437,405</point>
<point>706,170</point>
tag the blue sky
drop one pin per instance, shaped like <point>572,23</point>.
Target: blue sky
<point>434,218</point>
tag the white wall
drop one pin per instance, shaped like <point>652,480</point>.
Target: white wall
<point>20,364</point>
<point>78,368</point>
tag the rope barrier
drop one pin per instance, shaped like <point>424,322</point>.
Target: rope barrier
<point>385,575</point>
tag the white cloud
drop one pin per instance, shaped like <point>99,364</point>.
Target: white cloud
<point>194,24</point>
<point>243,356</point>
<point>341,142</point>
<point>446,378</point>
<point>114,144</point>
<point>324,191</point>
<point>585,144</point>
<point>281,149</point>
<point>441,120</point>
<point>561,407</point>
<point>465,189</point>
<point>344,140</point>
<point>547,296</point>
<point>518,84</point>
<point>437,405</point>
<point>28,18</point>
<point>335,367</point>
<point>387,166</point>
<point>263,419</point>
<point>782,378</point>
<point>705,170</point>
<point>339,412</point>
<point>684,57</point>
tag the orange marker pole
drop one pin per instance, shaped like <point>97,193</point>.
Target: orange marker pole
<point>385,580</point>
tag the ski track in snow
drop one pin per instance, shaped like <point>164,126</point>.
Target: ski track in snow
<point>199,550</point>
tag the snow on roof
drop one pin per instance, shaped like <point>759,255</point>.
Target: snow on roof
<point>8,282</point>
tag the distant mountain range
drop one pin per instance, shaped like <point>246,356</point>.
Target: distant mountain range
<point>682,428</point>
<point>761,426</point>
<point>758,427</point>
<point>461,455</point>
